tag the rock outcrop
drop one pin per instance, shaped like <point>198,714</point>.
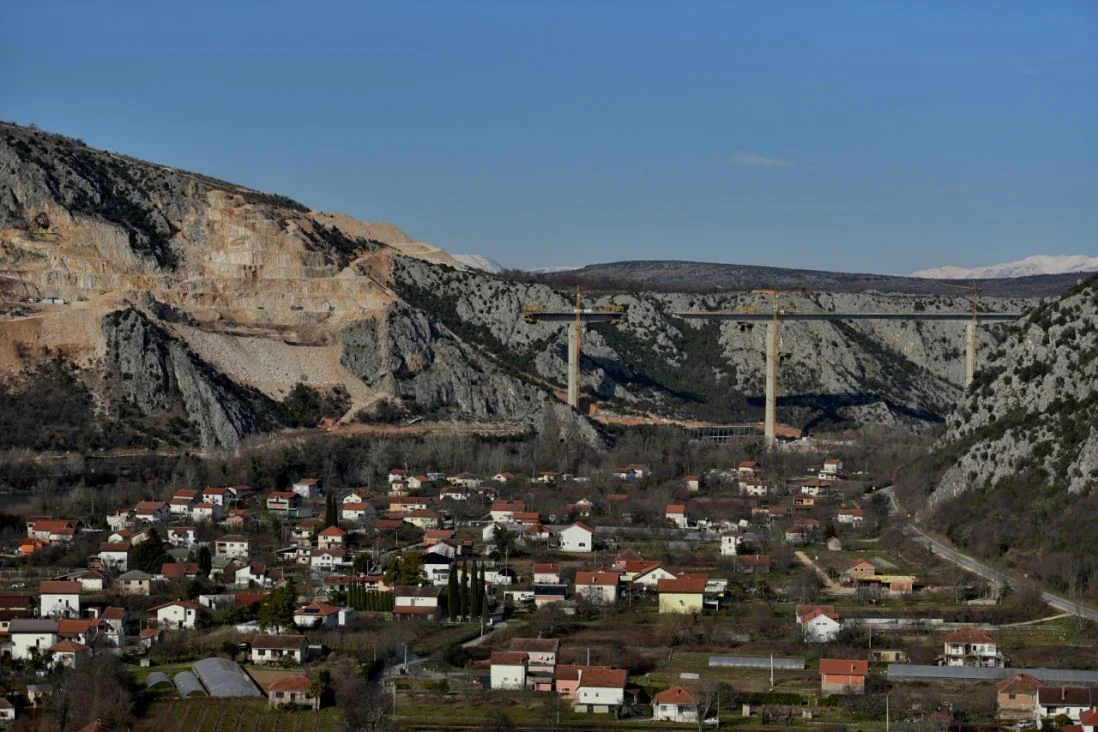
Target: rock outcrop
<point>1033,408</point>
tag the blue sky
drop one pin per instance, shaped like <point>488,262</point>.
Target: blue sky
<point>859,136</point>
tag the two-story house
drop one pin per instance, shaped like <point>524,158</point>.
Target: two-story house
<point>971,647</point>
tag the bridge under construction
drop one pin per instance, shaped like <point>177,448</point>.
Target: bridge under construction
<point>774,318</point>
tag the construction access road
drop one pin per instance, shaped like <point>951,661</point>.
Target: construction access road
<point>978,568</point>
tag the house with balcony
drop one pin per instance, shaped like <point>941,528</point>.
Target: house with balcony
<point>971,647</point>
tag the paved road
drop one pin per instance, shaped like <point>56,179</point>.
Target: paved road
<point>966,562</point>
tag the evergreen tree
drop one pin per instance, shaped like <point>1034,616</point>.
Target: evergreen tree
<point>149,556</point>
<point>482,596</point>
<point>277,609</point>
<point>205,561</point>
<point>331,511</point>
<point>471,597</point>
<point>463,599</point>
<point>452,593</point>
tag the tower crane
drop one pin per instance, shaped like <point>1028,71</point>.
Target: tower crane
<point>577,319</point>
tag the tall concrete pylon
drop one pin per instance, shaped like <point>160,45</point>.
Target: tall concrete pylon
<point>772,320</point>
<point>577,320</point>
<point>771,420</point>
<point>573,365</point>
<point>970,353</point>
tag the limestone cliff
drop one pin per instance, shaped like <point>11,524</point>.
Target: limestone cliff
<point>1032,409</point>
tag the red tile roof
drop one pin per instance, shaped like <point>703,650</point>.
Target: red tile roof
<point>296,683</point>
<point>969,635</point>
<point>687,584</point>
<point>843,667</point>
<point>1019,683</point>
<point>56,587</point>
<point>508,658</point>
<point>597,578</point>
<point>603,678</point>
<point>675,695</point>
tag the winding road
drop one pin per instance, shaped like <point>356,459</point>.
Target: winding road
<point>978,568</point>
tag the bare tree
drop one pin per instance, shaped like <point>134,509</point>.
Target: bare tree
<point>98,689</point>
<point>364,706</point>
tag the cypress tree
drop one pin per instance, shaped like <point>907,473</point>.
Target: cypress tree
<point>482,596</point>
<point>463,599</point>
<point>331,512</point>
<point>452,593</point>
<point>471,599</point>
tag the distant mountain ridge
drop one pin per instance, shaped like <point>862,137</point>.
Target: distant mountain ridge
<point>709,277</point>
<point>1041,264</point>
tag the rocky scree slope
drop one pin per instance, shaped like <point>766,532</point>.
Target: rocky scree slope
<point>1018,464</point>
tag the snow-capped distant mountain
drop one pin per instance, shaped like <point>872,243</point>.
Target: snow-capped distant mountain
<point>1039,265</point>
<point>476,261</point>
<point>551,270</point>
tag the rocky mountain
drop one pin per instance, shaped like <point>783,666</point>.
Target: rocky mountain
<point>195,311</point>
<point>1030,266</point>
<point>1016,472</point>
<point>477,261</point>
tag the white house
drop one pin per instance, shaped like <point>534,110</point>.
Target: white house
<point>547,574</point>
<point>233,546</point>
<point>831,468</point>
<point>600,690</point>
<point>416,603</point>
<point>819,623</point>
<point>418,482</point>
<point>182,536</point>
<point>397,475</point>
<point>59,599</point>
<point>317,615</point>
<point>356,511</point>
<point>850,516</point>
<point>754,487</point>
<point>508,670</point>
<point>175,614</point>
<point>649,577</point>
<point>206,511</point>
<point>68,653</point>
<point>730,543</point>
<point>675,704</point>
<point>151,511</point>
<point>307,488</point>
<point>506,510</point>
<point>598,587</point>
<point>221,496</point>
<point>30,637</point>
<point>355,497</point>
<point>271,648</point>
<point>578,537</point>
<point>676,514</point>
<point>115,555</point>
<point>332,537</point>
<point>327,559</point>
<point>253,574</point>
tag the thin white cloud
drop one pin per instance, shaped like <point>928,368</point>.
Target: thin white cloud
<point>759,161</point>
